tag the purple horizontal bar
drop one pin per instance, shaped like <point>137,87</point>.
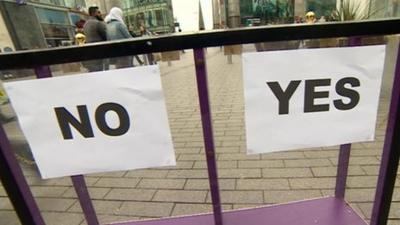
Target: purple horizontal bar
<point>323,211</point>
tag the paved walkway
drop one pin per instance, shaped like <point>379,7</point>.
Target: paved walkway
<point>245,181</point>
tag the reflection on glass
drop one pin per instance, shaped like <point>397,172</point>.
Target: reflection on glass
<point>155,15</point>
<point>256,12</point>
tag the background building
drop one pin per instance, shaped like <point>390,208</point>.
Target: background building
<point>39,24</point>
<point>6,43</point>
<point>155,15</point>
<point>253,12</point>
<point>105,5</point>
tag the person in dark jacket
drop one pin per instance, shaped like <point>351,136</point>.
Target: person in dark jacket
<point>95,31</point>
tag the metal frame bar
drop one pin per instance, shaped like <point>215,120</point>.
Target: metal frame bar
<point>79,180</point>
<point>390,156</point>
<point>15,184</point>
<point>178,41</point>
<point>84,199</point>
<point>202,88</point>
<point>342,168</point>
<point>344,152</point>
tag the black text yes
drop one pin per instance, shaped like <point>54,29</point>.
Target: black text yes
<point>284,96</point>
<point>83,125</point>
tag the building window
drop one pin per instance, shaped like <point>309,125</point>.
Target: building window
<point>52,2</point>
<point>128,4</point>
<point>55,31</point>
<point>273,11</point>
<point>55,25</point>
<point>75,4</point>
<point>321,8</point>
<point>159,17</point>
<point>155,15</point>
<point>52,16</point>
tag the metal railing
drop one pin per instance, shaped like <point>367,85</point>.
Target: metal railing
<point>203,39</point>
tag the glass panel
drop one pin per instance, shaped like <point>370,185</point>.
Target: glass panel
<point>59,2</point>
<point>159,17</point>
<point>58,194</point>
<point>290,175</point>
<point>53,2</point>
<point>327,9</point>
<point>74,17</point>
<point>55,31</point>
<point>78,17</point>
<point>271,12</point>
<point>245,180</point>
<point>52,16</point>
<point>140,18</point>
<point>148,20</point>
<point>264,12</point>
<point>76,4</point>
<point>44,1</point>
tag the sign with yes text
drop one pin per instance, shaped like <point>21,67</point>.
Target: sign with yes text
<point>97,122</point>
<point>311,97</point>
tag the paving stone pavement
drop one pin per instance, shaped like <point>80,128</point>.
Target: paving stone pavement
<point>245,180</point>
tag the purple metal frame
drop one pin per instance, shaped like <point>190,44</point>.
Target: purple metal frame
<point>84,199</point>
<point>344,152</point>
<point>78,181</point>
<point>323,211</point>
<point>16,186</point>
<point>27,210</point>
<point>202,88</point>
<point>342,168</point>
<point>390,156</point>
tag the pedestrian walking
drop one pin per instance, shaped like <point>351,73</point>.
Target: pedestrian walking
<point>95,31</point>
<point>117,30</point>
<point>144,32</point>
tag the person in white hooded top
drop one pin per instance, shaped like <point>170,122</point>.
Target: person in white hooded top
<point>117,30</point>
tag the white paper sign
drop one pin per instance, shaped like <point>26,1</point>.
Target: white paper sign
<point>312,97</point>
<point>97,122</point>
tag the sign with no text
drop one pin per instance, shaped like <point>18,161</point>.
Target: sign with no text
<point>97,122</point>
<point>311,97</point>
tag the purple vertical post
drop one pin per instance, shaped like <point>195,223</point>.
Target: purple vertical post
<point>84,199</point>
<point>344,152</point>
<point>15,184</point>
<point>390,156</point>
<point>343,165</point>
<point>355,41</point>
<point>78,181</point>
<point>43,72</point>
<point>201,75</point>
